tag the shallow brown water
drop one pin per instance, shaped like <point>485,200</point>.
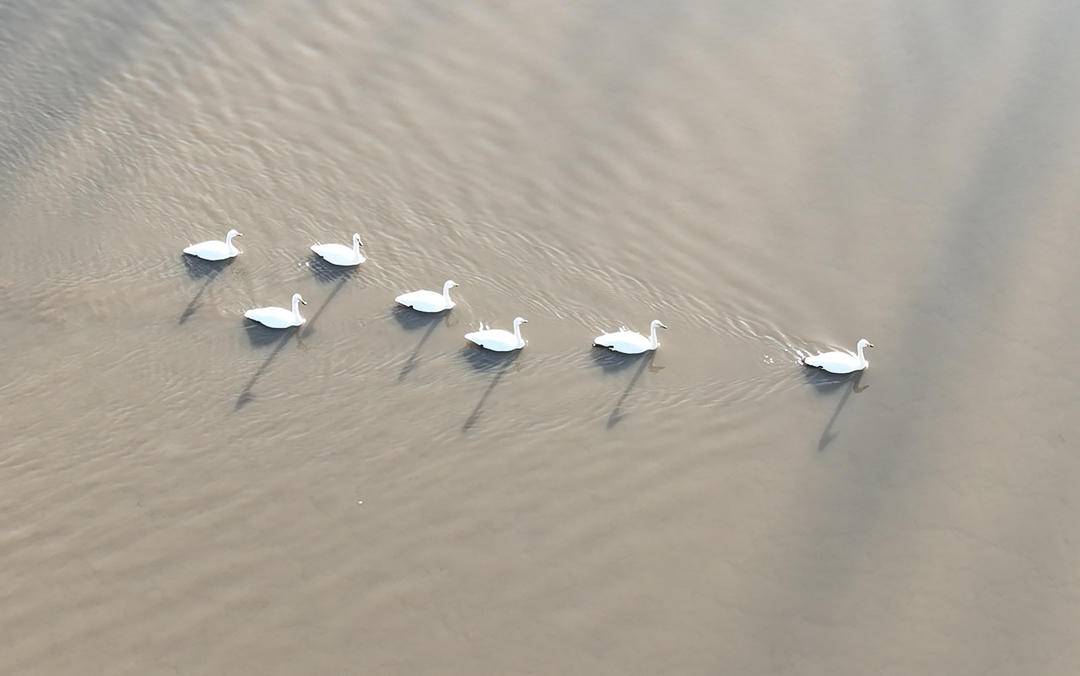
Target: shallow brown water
<point>183,493</point>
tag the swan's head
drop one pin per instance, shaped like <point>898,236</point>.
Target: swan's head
<point>233,233</point>
<point>657,324</point>
<point>297,298</point>
<point>356,239</point>
<point>518,321</point>
<point>450,284</point>
<point>863,343</point>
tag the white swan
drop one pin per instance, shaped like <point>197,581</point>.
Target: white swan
<point>214,249</point>
<point>428,301</point>
<point>279,317</point>
<point>841,362</point>
<point>631,342</point>
<point>498,339</point>
<point>339,254</point>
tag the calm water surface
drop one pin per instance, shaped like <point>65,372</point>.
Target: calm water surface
<point>184,493</point>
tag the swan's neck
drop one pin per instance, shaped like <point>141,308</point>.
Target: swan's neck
<point>517,333</point>
<point>296,310</point>
<point>446,296</point>
<point>652,337</point>
<point>356,247</point>
<point>229,240</point>
<point>862,359</point>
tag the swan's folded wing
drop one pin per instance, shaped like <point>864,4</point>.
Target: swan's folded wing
<point>605,340</point>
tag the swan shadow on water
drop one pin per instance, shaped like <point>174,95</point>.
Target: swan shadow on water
<point>825,382</point>
<point>610,361</point>
<point>326,273</point>
<point>614,362</point>
<point>197,268</point>
<point>485,361</point>
<point>411,320</point>
<point>260,336</point>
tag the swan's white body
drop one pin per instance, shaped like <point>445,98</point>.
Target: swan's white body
<point>428,301</point>
<point>215,250</point>
<point>278,317</point>
<point>630,342</point>
<point>841,362</point>
<point>339,254</point>
<point>499,340</point>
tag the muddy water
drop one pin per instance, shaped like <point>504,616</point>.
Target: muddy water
<point>185,493</point>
